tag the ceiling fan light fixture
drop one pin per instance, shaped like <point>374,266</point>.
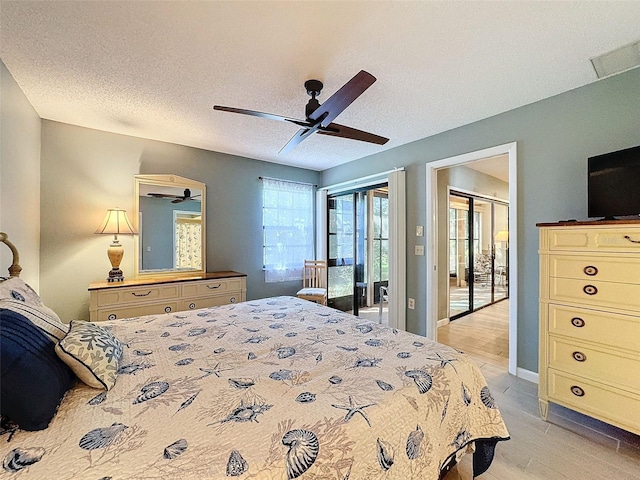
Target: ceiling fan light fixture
<point>617,61</point>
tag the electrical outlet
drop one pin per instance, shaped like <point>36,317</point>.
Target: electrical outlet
<point>419,249</point>
<point>412,303</point>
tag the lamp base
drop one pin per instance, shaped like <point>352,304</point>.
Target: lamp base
<point>115,275</point>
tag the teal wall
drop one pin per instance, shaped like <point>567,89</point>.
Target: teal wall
<point>555,136</point>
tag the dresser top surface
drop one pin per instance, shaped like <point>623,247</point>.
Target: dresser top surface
<point>590,223</point>
<point>168,279</point>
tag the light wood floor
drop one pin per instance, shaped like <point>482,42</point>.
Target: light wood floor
<point>483,334</point>
<point>539,450</point>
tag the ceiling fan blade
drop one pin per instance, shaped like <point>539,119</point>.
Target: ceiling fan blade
<point>340,100</point>
<point>269,116</point>
<point>337,130</point>
<point>295,140</point>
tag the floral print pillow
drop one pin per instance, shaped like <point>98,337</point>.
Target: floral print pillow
<point>92,352</point>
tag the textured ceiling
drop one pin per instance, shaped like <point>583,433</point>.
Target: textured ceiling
<point>155,69</point>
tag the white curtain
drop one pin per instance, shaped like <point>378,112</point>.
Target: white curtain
<point>287,222</point>
<point>188,243</point>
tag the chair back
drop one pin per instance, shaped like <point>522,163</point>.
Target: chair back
<point>314,274</point>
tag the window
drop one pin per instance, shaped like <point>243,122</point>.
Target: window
<point>287,225</point>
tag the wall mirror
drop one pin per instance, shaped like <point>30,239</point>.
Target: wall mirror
<point>170,218</point>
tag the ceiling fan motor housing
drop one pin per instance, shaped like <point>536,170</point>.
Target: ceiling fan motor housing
<point>314,87</point>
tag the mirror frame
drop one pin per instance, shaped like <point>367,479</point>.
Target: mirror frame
<point>167,181</point>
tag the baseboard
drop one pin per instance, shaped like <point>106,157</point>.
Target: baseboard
<point>527,375</point>
<point>443,321</point>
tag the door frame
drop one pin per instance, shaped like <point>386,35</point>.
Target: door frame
<point>431,320</point>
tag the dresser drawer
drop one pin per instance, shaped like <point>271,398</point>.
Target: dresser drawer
<point>135,311</point>
<point>212,301</point>
<point>613,329</point>
<point>608,269</point>
<point>619,239</point>
<point>211,287</point>
<point>119,296</point>
<point>596,363</point>
<point>598,294</point>
<point>609,404</point>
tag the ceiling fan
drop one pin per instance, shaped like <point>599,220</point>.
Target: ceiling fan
<point>177,198</point>
<point>319,118</point>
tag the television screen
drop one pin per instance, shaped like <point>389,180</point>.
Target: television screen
<point>613,184</point>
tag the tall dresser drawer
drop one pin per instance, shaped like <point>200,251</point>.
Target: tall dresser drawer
<point>211,287</point>
<point>609,404</point>
<point>136,311</point>
<point>599,364</point>
<point>606,268</point>
<point>622,331</point>
<point>118,296</point>
<point>623,296</point>
<point>626,239</point>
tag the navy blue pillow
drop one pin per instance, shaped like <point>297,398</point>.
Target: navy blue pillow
<point>34,379</point>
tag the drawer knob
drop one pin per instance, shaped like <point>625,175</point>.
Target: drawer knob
<point>141,294</point>
<point>211,287</point>
<point>112,316</point>
<point>579,356</point>
<point>590,289</point>
<point>590,270</point>
<point>627,237</point>
<point>232,300</point>
<point>577,391</point>
<point>577,322</point>
<point>192,306</point>
<point>167,309</point>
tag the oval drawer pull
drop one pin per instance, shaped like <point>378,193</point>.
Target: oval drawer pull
<point>590,289</point>
<point>167,309</point>
<point>232,300</point>
<point>192,306</point>
<point>627,237</point>
<point>577,391</point>
<point>213,288</point>
<point>590,270</point>
<point>578,322</point>
<point>112,316</point>
<point>141,294</point>
<point>579,357</point>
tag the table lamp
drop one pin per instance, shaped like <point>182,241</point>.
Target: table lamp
<point>116,223</point>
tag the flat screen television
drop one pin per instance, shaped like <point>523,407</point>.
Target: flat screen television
<point>613,184</point>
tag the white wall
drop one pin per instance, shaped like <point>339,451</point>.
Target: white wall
<point>19,178</point>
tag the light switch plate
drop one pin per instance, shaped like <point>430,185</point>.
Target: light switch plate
<point>419,231</point>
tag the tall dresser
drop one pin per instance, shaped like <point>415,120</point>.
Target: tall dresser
<point>147,296</point>
<point>590,319</point>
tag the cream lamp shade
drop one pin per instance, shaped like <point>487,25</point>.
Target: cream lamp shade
<point>502,236</point>
<point>115,223</point>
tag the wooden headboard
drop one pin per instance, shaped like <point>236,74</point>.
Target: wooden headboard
<point>15,268</point>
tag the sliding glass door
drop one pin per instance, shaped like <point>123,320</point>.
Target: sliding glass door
<point>478,270</point>
<point>358,248</point>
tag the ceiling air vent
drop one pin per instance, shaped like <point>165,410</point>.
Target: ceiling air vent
<point>617,61</point>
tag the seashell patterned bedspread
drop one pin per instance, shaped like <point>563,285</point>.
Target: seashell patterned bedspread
<point>278,388</point>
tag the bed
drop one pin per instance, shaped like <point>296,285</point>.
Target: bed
<point>276,388</point>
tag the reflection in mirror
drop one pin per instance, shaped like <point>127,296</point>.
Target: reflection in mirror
<point>170,217</point>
